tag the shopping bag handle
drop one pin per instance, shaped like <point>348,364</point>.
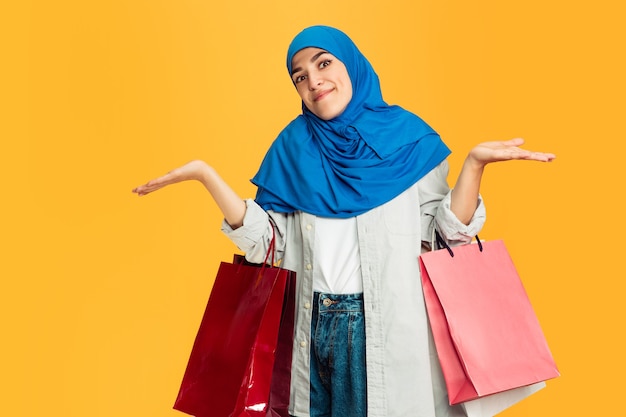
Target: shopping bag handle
<point>444,245</point>
<point>272,247</point>
<point>241,259</point>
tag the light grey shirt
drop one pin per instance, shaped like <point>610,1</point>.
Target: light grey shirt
<point>403,373</point>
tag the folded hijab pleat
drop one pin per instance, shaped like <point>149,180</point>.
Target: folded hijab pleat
<point>359,160</point>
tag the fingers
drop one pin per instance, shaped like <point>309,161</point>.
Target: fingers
<point>532,156</point>
<point>542,156</point>
<point>174,176</point>
<point>513,142</point>
<point>143,190</point>
<point>152,185</point>
<point>514,152</point>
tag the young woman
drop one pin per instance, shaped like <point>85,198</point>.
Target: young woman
<point>355,189</point>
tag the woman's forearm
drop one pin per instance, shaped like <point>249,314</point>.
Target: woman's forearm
<point>232,206</point>
<point>465,193</point>
<point>464,198</point>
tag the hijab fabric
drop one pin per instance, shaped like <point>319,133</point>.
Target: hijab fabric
<point>359,160</point>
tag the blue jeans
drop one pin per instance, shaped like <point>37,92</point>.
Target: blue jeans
<point>338,377</point>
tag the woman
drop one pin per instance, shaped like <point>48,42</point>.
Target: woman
<point>355,189</point>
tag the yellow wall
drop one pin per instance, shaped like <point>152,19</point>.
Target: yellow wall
<point>102,292</point>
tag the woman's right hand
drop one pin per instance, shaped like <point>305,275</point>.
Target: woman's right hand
<point>231,205</point>
<point>194,170</point>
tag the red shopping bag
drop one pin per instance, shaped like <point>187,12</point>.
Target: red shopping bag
<point>487,335</point>
<point>241,359</point>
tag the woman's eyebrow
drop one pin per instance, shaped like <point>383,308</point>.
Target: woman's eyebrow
<point>313,58</point>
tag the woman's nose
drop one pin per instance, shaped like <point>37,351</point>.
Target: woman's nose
<point>314,81</point>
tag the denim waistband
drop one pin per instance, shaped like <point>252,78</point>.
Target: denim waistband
<point>337,302</point>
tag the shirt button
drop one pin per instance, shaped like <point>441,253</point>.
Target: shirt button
<point>303,343</point>
<point>309,227</point>
<point>307,305</point>
<point>309,267</point>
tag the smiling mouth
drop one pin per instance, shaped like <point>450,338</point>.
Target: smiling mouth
<point>321,95</point>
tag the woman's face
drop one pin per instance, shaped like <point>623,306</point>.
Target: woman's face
<point>322,82</point>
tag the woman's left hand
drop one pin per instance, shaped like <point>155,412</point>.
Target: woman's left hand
<point>488,152</point>
<point>465,193</point>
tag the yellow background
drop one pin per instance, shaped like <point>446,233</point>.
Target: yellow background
<point>102,292</point>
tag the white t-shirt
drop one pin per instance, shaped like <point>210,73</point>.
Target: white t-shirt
<point>338,266</point>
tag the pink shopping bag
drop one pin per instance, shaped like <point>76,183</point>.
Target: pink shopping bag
<point>487,335</point>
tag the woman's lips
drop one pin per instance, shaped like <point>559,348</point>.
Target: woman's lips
<point>321,95</point>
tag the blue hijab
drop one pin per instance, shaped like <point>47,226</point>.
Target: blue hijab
<point>359,160</point>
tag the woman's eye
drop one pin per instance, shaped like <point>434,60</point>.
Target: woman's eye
<point>300,78</point>
<point>325,63</point>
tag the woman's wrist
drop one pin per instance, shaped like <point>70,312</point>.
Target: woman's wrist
<point>473,165</point>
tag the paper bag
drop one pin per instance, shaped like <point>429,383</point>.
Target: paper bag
<point>487,335</point>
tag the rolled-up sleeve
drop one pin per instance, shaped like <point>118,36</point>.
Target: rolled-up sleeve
<point>435,199</point>
<point>251,237</point>
<point>451,228</point>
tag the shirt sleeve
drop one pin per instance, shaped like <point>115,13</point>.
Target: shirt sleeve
<point>254,236</point>
<point>435,199</point>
